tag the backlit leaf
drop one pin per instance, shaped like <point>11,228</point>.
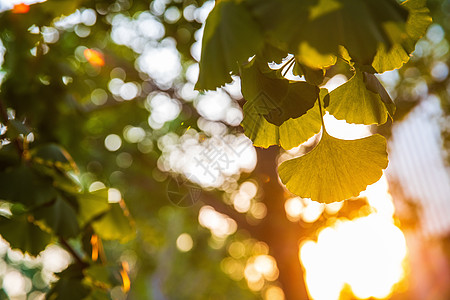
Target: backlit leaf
<point>356,103</point>
<point>418,21</point>
<point>230,37</point>
<point>335,169</point>
<point>114,225</point>
<point>22,234</point>
<point>290,134</point>
<point>276,98</point>
<point>93,204</point>
<point>359,26</point>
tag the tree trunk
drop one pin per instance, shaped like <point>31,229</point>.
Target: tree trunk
<point>276,230</point>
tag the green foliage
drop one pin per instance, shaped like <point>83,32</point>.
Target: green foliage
<point>48,90</point>
<point>230,38</point>
<point>22,233</point>
<point>370,36</point>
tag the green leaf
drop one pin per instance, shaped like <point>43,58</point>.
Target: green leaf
<point>300,98</point>
<point>335,169</point>
<point>258,81</point>
<point>92,205</point>
<point>230,37</point>
<point>114,225</point>
<point>22,234</point>
<point>312,75</point>
<point>271,53</point>
<point>69,286</point>
<point>55,162</point>
<point>318,28</point>
<point>290,134</point>
<point>276,98</point>
<point>60,216</point>
<point>418,21</point>
<point>53,155</point>
<point>23,185</point>
<point>356,103</point>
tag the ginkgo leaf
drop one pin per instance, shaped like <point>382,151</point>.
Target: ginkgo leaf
<point>290,134</point>
<point>23,234</point>
<point>259,86</point>
<point>359,26</point>
<point>60,216</point>
<point>356,103</point>
<point>300,98</point>
<point>335,169</point>
<point>312,75</point>
<point>230,37</point>
<point>418,21</point>
<point>276,98</point>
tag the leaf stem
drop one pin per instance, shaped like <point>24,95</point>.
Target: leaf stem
<point>321,113</point>
<point>73,252</point>
<point>287,63</point>
<point>288,67</point>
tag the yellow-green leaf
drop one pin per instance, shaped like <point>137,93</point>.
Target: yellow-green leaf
<point>115,225</point>
<point>290,134</point>
<point>335,169</point>
<point>418,21</point>
<point>356,103</point>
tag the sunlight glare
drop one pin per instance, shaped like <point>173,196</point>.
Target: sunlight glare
<point>367,254</point>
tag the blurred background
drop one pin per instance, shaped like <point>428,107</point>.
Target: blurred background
<point>113,82</point>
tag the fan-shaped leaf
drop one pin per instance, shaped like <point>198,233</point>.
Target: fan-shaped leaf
<point>359,26</point>
<point>230,37</point>
<point>361,100</point>
<point>418,21</point>
<point>335,169</point>
<point>290,134</point>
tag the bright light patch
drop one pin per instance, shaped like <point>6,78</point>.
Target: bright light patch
<point>366,253</point>
<point>21,8</point>
<point>274,293</point>
<point>94,57</point>
<point>220,225</point>
<point>55,259</point>
<point>185,242</point>
<point>113,142</point>
<point>114,195</point>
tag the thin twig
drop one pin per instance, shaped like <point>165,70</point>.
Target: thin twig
<point>72,251</point>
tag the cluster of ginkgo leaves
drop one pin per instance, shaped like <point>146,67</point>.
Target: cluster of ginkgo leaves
<point>243,37</point>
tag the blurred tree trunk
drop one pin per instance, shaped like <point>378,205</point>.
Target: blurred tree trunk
<point>276,230</point>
